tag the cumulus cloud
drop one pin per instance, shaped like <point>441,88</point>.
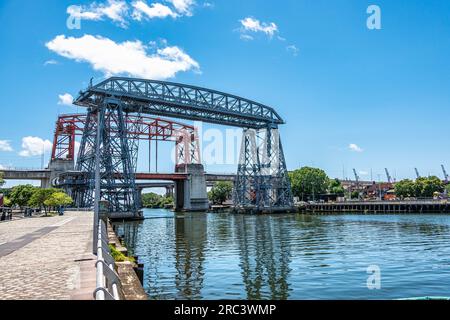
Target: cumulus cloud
<point>116,10</point>
<point>363,173</point>
<point>158,10</point>
<point>127,58</point>
<point>5,146</point>
<point>65,99</point>
<point>34,146</point>
<point>183,6</point>
<point>355,148</point>
<point>253,25</point>
<point>155,10</point>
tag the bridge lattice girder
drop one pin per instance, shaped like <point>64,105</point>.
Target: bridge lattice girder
<point>138,128</point>
<point>182,101</point>
<point>262,182</point>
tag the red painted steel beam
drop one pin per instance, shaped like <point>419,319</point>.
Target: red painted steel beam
<point>139,127</point>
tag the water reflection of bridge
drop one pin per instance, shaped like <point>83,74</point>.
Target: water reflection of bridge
<point>263,259</point>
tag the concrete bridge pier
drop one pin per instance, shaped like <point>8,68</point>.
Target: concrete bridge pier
<point>56,167</point>
<point>170,191</point>
<point>191,194</point>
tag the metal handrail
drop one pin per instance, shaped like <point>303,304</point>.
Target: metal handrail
<point>107,284</point>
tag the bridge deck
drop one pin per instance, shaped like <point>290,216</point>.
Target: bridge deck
<point>47,258</point>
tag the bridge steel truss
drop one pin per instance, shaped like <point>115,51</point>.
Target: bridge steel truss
<point>119,136</point>
<point>262,182</point>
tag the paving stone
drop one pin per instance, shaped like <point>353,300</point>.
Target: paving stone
<point>47,266</point>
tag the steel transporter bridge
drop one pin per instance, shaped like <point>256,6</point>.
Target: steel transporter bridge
<point>121,111</point>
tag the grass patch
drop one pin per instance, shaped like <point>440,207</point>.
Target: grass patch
<point>119,256</point>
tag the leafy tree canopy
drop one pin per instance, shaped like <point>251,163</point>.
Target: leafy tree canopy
<point>221,192</point>
<point>153,200</point>
<point>58,199</point>
<point>21,195</point>
<point>309,182</point>
<point>336,187</point>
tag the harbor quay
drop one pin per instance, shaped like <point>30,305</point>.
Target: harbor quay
<point>47,258</point>
<point>50,258</point>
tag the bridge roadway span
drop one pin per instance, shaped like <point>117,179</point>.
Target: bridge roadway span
<point>47,258</point>
<point>45,174</point>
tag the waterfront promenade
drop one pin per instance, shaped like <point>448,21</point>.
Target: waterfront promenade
<point>47,258</point>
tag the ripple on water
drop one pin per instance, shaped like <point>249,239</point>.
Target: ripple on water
<point>221,256</point>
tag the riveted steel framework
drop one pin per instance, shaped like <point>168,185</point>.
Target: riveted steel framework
<point>138,128</point>
<point>80,184</point>
<point>262,182</point>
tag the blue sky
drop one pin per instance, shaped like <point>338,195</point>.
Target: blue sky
<point>335,82</point>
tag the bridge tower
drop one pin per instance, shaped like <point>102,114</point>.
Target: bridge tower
<point>262,181</point>
<point>106,143</point>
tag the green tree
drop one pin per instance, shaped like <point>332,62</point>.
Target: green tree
<point>221,192</point>
<point>153,200</point>
<point>21,195</point>
<point>405,188</point>
<point>447,189</point>
<point>336,187</point>
<point>355,195</point>
<point>309,182</point>
<point>427,187</point>
<point>6,202</point>
<point>40,196</point>
<point>58,199</point>
<point>2,181</point>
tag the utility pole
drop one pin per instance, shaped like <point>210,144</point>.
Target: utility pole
<point>379,186</point>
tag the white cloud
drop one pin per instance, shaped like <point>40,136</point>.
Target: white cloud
<point>34,146</point>
<point>5,146</point>
<point>65,99</point>
<point>363,173</point>
<point>254,25</point>
<point>183,6</point>
<point>293,50</point>
<point>116,10</point>
<point>355,148</point>
<point>155,10</point>
<point>49,62</point>
<point>159,10</point>
<point>246,37</point>
<point>129,57</point>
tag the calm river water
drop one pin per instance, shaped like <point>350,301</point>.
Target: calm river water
<point>224,256</point>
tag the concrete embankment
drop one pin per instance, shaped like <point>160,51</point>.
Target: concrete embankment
<point>127,270</point>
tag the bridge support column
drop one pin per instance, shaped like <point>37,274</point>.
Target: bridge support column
<point>190,194</point>
<point>116,153</point>
<point>262,183</point>
<point>169,192</point>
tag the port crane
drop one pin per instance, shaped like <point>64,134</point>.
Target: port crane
<point>388,175</point>
<point>357,180</point>
<point>445,173</point>
<point>417,173</point>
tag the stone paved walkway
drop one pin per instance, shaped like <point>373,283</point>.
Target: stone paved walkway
<point>47,258</point>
